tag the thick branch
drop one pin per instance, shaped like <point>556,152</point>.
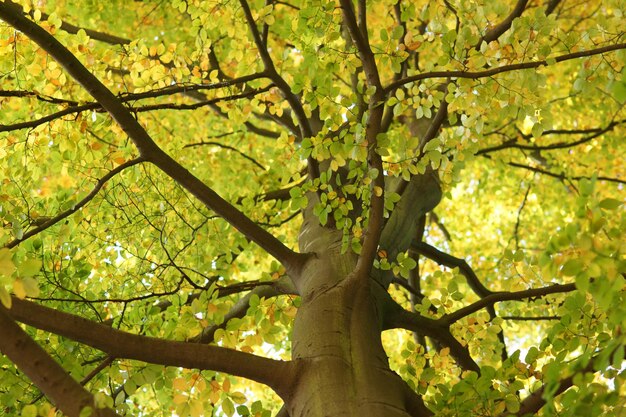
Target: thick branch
<point>125,345</point>
<point>48,375</point>
<point>504,296</point>
<point>148,149</point>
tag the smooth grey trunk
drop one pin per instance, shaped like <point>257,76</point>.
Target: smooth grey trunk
<point>342,367</point>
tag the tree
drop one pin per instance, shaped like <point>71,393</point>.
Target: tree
<point>314,208</point>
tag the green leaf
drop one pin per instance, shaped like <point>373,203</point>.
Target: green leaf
<point>29,411</point>
<point>29,267</point>
<point>512,403</point>
<point>86,412</point>
<point>572,267</point>
<point>228,407</point>
<point>532,354</point>
<point>5,298</point>
<point>610,203</point>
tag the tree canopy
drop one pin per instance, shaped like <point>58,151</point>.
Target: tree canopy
<point>312,208</point>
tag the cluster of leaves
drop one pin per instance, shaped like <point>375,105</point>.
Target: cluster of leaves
<point>530,160</point>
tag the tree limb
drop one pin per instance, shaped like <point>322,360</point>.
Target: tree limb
<point>512,143</point>
<point>45,372</point>
<point>562,176</point>
<point>493,298</point>
<point>450,261</point>
<point>120,344</point>
<point>373,232</point>
<point>495,32</point>
<point>504,68</point>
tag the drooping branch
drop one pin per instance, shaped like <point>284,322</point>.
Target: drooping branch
<point>120,344</point>
<point>474,75</point>
<point>505,296</point>
<point>67,394</point>
<point>54,220</point>
<point>148,149</point>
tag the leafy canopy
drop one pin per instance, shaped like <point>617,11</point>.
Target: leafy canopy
<point>518,109</point>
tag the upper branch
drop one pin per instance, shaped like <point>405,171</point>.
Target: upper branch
<point>294,101</point>
<point>495,32</point>
<point>504,68</point>
<point>48,375</point>
<point>450,261</point>
<point>54,220</point>
<point>372,129</point>
<point>594,133</point>
<point>161,92</point>
<point>505,296</point>
<point>121,344</point>
<point>562,176</point>
<point>148,149</point>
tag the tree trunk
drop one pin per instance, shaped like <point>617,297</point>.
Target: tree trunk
<point>342,366</point>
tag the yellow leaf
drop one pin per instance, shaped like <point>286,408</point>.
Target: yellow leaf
<point>18,289</point>
<point>226,385</point>
<point>180,399</point>
<point>214,397</point>
<point>30,286</point>
<point>196,408</point>
<point>7,267</point>
<point>238,397</point>
<point>180,384</point>
<point>5,298</point>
